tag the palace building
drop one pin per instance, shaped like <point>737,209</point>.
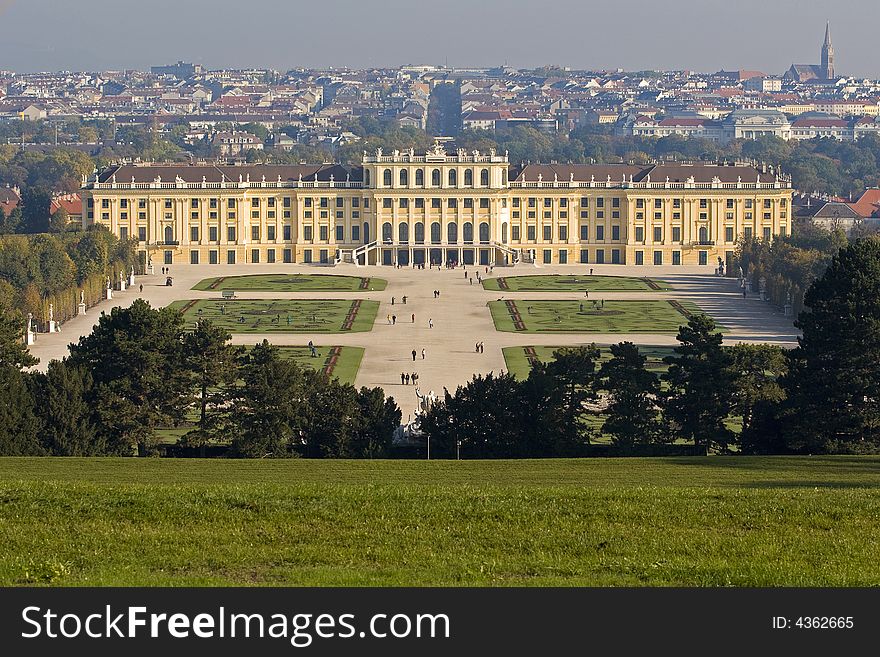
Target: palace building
<point>471,208</point>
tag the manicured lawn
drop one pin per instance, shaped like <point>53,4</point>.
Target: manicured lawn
<point>517,358</point>
<point>282,315</point>
<point>590,317</point>
<point>572,283</point>
<point>293,283</point>
<point>717,521</point>
<point>344,367</point>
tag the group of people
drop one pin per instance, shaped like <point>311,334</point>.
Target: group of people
<point>402,299</point>
<point>415,353</point>
<point>392,319</point>
<point>478,347</point>
<point>406,377</point>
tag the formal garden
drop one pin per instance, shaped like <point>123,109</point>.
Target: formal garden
<point>591,316</point>
<point>293,283</point>
<point>281,315</point>
<point>574,283</point>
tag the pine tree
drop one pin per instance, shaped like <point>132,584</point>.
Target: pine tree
<point>211,360</point>
<point>631,415</point>
<point>833,383</point>
<point>699,397</point>
<point>65,411</point>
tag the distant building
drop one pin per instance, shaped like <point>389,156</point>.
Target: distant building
<point>181,70</point>
<point>71,203</point>
<point>10,197</point>
<point>819,72</point>
<point>233,143</point>
<point>763,84</point>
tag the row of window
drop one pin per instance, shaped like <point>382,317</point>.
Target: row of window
<point>451,177</point>
<point>271,256</point>
<point>436,203</point>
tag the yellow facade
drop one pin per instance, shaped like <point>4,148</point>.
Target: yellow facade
<point>470,208</point>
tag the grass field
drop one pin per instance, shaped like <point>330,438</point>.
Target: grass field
<point>533,316</point>
<point>569,283</point>
<point>344,367</point>
<point>809,521</point>
<point>282,315</point>
<point>293,283</point>
<point>517,358</point>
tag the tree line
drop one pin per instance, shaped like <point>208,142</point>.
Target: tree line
<point>140,370</point>
<point>818,398</point>
<point>38,270</point>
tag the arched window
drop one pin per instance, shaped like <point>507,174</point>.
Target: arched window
<point>366,233</point>
<point>404,178</point>
<point>435,177</point>
<point>386,178</point>
<point>367,177</point>
<point>452,233</point>
<point>169,234</point>
<point>467,232</point>
<point>420,177</point>
<point>468,177</point>
<point>420,233</point>
<point>484,177</point>
<point>704,234</point>
<point>386,232</point>
<point>435,232</point>
<point>484,232</point>
<point>453,178</point>
<point>504,233</point>
<point>403,232</point>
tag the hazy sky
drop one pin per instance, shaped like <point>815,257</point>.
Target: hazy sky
<point>702,35</point>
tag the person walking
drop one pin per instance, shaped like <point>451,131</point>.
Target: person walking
<point>591,271</point>
<point>414,355</point>
<point>407,379</point>
<point>394,319</point>
<point>414,318</point>
<point>392,301</point>
<point>476,347</point>
<point>471,279</point>
<point>142,288</point>
<point>423,353</point>
<point>402,379</point>
<point>389,319</point>
<point>404,300</point>
<point>431,322</point>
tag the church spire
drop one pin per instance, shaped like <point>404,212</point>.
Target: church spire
<point>828,54</point>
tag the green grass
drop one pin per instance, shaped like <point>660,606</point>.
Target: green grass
<point>293,283</point>
<point>599,522</point>
<point>585,317</point>
<point>347,364</point>
<point>517,362</point>
<point>280,315</point>
<point>574,283</point>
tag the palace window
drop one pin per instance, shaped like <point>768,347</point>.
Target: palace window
<point>468,177</point>
<point>484,177</point>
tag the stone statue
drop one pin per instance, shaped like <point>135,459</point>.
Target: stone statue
<point>82,297</point>
<point>109,284</point>
<point>51,312</point>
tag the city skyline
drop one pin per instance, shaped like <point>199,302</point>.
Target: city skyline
<point>341,33</point>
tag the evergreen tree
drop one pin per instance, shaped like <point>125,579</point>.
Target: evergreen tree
<point>269,409</point>
<point>573,369</point>
<point>833,383</point>
<point>700,392</point>
<point>211,361</point>
<point>377,418</point>
<point>35,210</point>
<point>64,395</point>
<point>756,370</point>
<point>18,424</point>
<point>631,415</point>
<point>135,357</point>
